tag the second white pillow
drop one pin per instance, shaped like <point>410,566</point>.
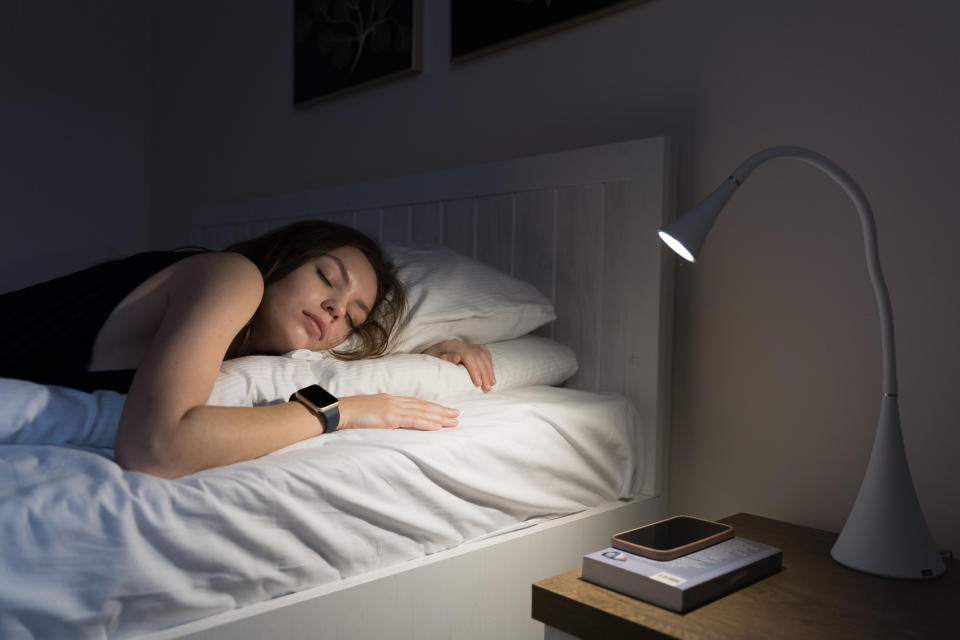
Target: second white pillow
<point>257,380</point>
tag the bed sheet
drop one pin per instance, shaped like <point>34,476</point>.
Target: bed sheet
<point>90,550</point>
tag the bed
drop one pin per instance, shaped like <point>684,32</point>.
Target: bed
<point>382,533</point>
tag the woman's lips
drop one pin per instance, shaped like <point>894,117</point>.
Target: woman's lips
<point>316,327</point>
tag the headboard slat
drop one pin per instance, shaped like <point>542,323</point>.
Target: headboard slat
<point>458,225</point>
<point>494,241</point>
<point>578,268</point>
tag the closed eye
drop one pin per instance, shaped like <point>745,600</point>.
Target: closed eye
<point>326,281</point>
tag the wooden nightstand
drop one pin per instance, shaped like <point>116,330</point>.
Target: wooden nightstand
<point>812,597</point>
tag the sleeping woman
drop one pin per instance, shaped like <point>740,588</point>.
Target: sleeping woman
<point>158,325</point>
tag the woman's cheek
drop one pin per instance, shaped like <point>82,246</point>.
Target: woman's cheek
<point>336,338</point>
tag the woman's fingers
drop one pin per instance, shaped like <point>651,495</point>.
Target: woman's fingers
<point>384,411</point>
<point>413,413</point>
<point>475,357</point>
<point>479,364</point>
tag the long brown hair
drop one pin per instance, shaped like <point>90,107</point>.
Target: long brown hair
<point>279,252</point>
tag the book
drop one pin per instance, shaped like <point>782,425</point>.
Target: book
<point>686,582</point>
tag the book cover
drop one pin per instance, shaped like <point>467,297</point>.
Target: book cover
<point>687,582</point>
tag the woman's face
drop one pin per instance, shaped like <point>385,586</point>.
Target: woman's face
<point>316,305</point>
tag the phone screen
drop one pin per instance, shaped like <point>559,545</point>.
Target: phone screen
<point>672,533</point>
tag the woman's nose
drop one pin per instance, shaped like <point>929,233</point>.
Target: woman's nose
<point>334,308</point>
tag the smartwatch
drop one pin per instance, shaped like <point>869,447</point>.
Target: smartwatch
<point>320,402</point>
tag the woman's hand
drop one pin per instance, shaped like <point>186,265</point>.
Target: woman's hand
<point>475,357</point>
<point>384,411</point>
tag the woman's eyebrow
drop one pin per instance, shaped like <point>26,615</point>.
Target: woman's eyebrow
<point>346,278</point>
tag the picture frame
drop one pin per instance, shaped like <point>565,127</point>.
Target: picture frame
<point>341,46</point>
<point>478,28</point>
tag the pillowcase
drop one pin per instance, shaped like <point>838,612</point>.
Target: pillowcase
<point>256,380</point>
<point>452,296</point>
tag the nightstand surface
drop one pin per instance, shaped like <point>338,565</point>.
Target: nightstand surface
<point>810,597</point>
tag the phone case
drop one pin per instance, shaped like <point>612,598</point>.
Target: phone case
<point>676,552</point>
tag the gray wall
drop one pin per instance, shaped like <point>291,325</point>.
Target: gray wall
<point>74,134</point>
<point>777,363</point>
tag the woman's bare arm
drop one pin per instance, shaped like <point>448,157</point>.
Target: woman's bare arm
<point>207,302</point>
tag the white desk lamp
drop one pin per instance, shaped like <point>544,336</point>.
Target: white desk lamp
<point>885,533</point>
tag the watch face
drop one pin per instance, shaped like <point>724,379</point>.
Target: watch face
<point>318,397</point>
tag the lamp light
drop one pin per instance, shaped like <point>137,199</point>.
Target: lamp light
<point>885,533</point>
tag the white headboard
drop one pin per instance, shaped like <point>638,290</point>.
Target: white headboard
<point>581,225</point>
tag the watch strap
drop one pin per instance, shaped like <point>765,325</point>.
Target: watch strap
<point>332,418</point>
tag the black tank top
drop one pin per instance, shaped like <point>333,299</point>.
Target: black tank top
<point>47,330</point>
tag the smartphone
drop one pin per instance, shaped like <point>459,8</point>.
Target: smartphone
<point>671,538</point>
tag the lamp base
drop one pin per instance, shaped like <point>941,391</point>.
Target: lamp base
<point>885,533</point>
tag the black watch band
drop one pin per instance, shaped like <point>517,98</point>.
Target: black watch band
<point>320,402</point>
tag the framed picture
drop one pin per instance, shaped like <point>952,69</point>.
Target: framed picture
<point>345,45</point>
<point>478,27</point>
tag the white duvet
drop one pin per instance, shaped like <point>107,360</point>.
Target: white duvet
<point>90,550</point>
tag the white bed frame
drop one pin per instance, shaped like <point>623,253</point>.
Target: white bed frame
<point>581,225</point>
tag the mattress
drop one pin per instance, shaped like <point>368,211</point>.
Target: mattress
<point>90,550</point>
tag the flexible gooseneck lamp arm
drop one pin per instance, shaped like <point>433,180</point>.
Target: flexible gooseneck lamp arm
<point>885,533</point>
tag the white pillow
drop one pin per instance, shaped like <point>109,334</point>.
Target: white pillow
<point>452,296</point>
<point>256,380</point>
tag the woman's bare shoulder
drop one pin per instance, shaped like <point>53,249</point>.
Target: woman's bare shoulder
<point>225,288</point>
<point>219,269</point>
<point>220,262</point>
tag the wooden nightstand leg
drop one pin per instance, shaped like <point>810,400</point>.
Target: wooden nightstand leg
<point>552,633</point>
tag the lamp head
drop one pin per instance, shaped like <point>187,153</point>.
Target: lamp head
<point>686,234</point>
<point>676,245</point>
